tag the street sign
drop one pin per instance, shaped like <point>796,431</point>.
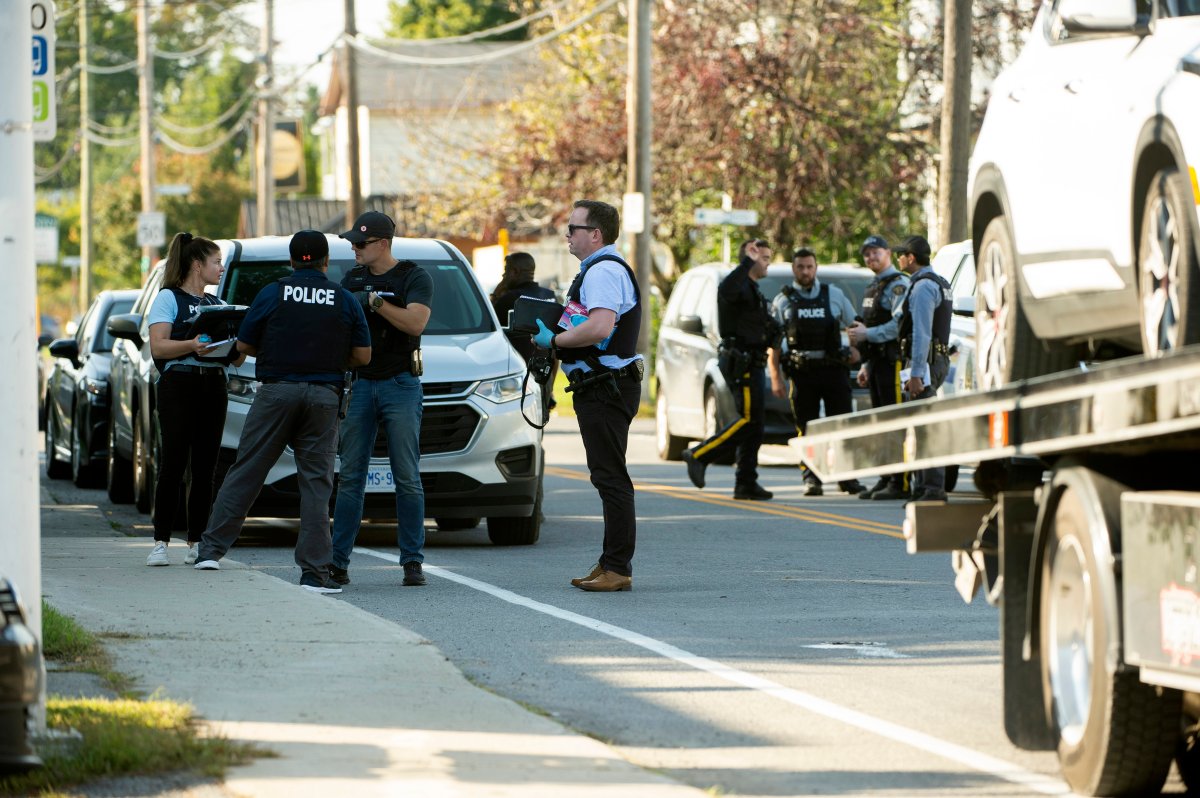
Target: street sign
<point>45,101</point>
<point>45,238</point>
<point>737,216</point>
<point>172,189</point>
<point>152,229</point>
<point>633,212</point>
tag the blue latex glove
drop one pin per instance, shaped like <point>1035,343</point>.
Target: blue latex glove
<point>544,335</point>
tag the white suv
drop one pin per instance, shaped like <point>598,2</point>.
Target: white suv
<point>1084,189</point>
<point>479,458</point>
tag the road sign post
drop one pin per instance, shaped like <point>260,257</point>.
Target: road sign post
<point>152,229</point>
<point>726,217</point>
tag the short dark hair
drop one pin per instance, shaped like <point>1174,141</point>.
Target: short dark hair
<point>803,252</point>
<point>604,216</point>
<point>758,242</point>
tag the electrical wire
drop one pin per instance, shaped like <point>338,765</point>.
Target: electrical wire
<point>496,31</point>
<point>103,141</point>
<point>42,175</point>
<point>162,121</point>
<point>221,141</point>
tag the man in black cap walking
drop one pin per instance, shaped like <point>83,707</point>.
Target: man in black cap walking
<point>304,332</point>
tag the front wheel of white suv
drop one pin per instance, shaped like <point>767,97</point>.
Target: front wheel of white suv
<point>1167,265</point>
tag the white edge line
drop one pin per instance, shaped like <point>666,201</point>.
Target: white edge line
<point>893,731</point>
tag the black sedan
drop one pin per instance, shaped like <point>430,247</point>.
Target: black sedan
<point>76,402</point>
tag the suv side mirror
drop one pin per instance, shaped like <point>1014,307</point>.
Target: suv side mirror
<point>66,348</point>
<point>691,325</point>
<point>1099,16</point>
<point>125,325</point>
<point>964,306</point>
<point>44,340</point>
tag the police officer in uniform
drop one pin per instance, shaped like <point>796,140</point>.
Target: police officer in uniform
<point>598,352</point>
<point>814,353</point>
<point>747,330</point>
<point>877,339</point>
<point>924,343</point>
<point>305,331</point>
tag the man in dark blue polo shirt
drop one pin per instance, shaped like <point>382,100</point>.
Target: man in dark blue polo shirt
<point>305,332</point>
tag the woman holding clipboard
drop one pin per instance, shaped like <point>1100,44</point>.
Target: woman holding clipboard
<point>191,392</point>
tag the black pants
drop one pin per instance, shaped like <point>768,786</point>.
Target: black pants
<point>745,433</point>
<point>191,417</point>
<point>932,478</point>
<point>811,386</point>
<point>604,419</point>
<point>884,383</point>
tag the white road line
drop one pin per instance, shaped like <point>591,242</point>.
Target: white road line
<point>975,760</point>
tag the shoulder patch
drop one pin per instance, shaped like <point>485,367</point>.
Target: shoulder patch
<point>899,289</point>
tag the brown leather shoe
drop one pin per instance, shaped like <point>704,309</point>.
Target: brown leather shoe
<point>608,582</point>
<point>596,571</point>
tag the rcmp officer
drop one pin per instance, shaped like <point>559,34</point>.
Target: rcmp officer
<point>877,339</point>
<point>815,353</point>
<point>305,331</point>
<point>924,343</point>
<point>747,330</point>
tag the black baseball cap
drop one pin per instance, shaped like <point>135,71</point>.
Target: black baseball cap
<point>914,245</point>
<point>308,247</point>
<point>372,224</point>
<point>874,241</point>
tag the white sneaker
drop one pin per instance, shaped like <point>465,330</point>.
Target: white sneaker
<point>193,553</point>
<point>159,555</point>
<point>207,565</point>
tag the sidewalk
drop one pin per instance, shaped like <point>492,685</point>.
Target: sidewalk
<point>354,705</point>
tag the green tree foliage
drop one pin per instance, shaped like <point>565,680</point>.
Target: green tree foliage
<point>433,19</point>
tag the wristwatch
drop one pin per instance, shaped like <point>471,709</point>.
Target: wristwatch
<point>377,302</point>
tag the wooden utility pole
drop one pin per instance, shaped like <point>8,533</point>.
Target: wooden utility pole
<point>354,203</point>
<point>85,161</point>
<point>145,62</point>
<point>956,123</point>
<point>638,163</point>
<point>266,127</point>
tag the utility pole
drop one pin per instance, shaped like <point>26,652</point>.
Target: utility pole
<point>354,204</point>
<point>266,129</point>
<point>85,161</point>
<point>20,536</point>
<point>638,163</point>
<point>956,123</point>
<point>146,122</point>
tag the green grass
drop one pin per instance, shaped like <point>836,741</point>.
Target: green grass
<point>121,736</point>
<point>566,401</point>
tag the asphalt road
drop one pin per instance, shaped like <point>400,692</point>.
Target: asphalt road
<point>776,648</point>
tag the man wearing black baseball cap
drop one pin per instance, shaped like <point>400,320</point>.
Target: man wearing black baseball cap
<point>876,338</point>
<point>304,332</point>
<point>372,224</point>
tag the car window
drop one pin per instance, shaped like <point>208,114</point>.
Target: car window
<point>83,333</point>
<point>458,306</point>
<point>105,340</point>
<point>683,298</point>
<point>963,283</point>
<point>1181,8</point>
<point>707,306</point>
<point>146,299</point>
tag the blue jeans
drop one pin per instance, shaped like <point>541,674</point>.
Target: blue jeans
<point>394,402</point>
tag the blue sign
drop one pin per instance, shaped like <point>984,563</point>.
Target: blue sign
<point>41,59</point>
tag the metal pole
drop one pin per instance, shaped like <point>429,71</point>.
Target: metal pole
<point>146,122</point>
<point>638,169</point>
<point>20,535</point>
<point>956,123</point>
<point>354,203</point>
<point>266,121</point>
<point>85,161</point>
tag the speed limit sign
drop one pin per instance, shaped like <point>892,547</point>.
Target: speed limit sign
<point>151,229</point>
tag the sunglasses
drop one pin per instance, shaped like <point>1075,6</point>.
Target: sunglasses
<point>571,228</point>
<point>364,244</point>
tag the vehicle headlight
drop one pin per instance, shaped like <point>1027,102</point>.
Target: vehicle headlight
<point>505,389</point>
<point>241,388</point>
<point>97,388</point>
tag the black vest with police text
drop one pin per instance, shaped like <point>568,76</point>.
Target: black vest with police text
<point>941,314</point>
<point>391,348</point>
<point>874,313</point>
<point>809,324</point>
<point>306,333</point>
<point>181,327</point>
<point>623,342</point>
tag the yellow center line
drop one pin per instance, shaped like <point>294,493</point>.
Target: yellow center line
<point>784,511</point>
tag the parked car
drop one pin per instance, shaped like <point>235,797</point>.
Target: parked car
<point>479,459</point>
<point>75,402</point>
<point>1083,189</point>
<point>20,684</point>
<point>956,264</point>
<point>693,399</point>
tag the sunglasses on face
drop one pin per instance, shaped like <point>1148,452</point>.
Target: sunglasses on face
<point>365,244</point>
<point>571,228</point>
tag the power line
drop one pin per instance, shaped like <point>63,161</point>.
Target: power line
<point>490,32</point>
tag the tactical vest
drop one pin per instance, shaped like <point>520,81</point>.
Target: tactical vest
<point>306,333</point>
<point>809,324</point>
<point>623,342</point>
<point>391,348</point>
<point>941,316</point>
<point>876,315</point>
<point>181,327</point>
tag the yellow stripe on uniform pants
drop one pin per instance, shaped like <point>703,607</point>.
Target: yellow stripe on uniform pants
<point>726,434</point>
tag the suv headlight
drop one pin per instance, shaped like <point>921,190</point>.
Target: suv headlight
<point>241,389</point>
<point>505,389</point>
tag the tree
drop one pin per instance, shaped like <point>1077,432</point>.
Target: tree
<point>433,19</point>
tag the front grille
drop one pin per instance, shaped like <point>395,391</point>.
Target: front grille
<point>447,482</point>
<point>444,388</point>
<point>444,428</point>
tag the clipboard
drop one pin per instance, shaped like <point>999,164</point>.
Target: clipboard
<point>221,323</point>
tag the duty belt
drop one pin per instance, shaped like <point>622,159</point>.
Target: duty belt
<point>582,381</point>
<point>811,357</point>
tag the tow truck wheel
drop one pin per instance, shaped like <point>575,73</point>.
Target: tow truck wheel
<point>1115,735</point>
<point>1008,350</point>
<point>1167,266</point>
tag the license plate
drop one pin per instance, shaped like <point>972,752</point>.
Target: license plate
<point>379,479</point>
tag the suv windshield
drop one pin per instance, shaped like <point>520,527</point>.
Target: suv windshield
<point>853,287</point>
<point>462,311</point>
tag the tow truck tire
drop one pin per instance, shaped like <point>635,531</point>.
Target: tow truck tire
<point>1008,350</point>
<point>1169,286</point>
<point>670,447</point>
<point>1116,736</point>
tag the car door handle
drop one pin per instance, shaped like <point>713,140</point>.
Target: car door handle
<point>1076,85</point>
